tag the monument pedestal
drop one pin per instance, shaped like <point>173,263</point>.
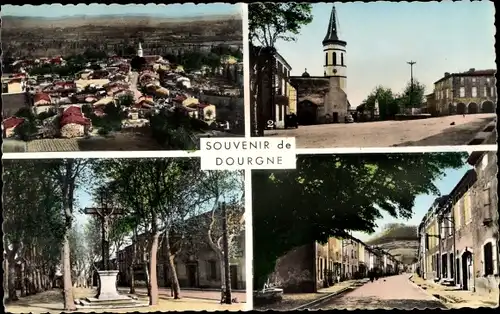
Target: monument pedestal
<point>108,296</point>
<point>107,289</point>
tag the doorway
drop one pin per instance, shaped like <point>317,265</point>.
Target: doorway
<point>192,273</point>
<point>234,276</point>
<point>466,269</point>
<point>335,117</point>
<point>307,113</point>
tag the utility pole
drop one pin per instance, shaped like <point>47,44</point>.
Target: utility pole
<point>225,244</point>
<point>411,63</point>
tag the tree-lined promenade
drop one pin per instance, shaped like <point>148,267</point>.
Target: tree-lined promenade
<point>167,201</point>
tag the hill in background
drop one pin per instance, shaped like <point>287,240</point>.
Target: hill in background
<point>399,240</point>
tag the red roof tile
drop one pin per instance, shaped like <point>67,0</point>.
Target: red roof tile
<point>12,122</point>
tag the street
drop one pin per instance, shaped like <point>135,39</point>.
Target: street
<point>425,132</point>
<point>386,293</point>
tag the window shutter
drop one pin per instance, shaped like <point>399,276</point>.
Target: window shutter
<point>494,254</point>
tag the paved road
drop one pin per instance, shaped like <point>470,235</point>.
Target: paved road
<point>386,293</point>
<point>426,132</point>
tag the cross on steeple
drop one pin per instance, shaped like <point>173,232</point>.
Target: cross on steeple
<point>331,33</point>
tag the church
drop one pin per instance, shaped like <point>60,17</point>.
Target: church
<point>322,99</point>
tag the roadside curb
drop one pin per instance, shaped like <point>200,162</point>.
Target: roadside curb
<point>440,298</point>
<point>328,296</point>
<point>485,135</point>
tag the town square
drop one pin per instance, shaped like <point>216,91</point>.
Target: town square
<point>331,83</point>
<point>125,235</point>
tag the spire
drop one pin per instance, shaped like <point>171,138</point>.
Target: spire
<point>331,33</point>
<point>139,50</point>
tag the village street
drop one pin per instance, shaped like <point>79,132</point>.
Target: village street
<point>425,132</point>
<point>385,293</point>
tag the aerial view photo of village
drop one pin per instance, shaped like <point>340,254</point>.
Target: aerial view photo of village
<point>120,77</point>
<point>377,231</point>
<point>394,82</point>
<point>122,235</point>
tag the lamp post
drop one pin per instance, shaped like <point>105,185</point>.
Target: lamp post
<point>411,63</point>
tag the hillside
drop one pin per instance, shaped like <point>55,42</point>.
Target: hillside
<point>40,37</point>
<point>399,240</point>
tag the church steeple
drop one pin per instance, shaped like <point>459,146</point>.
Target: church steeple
<point>334,49</point>
<point>139,50</point>
<point>332,31</point>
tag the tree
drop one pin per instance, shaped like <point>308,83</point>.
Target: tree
<point>137,63</point>
<point>388,104</point>
<point>413,96</point>
<point>33,226</point>
<point>159,192</point>
<point>331,195</point>
<point>224,187</point>
<point>268,23</point>
<point>68,175</point>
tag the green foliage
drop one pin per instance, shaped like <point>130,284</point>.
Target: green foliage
<point>29,127</point>
<point>269,22</point>
<point>87,110</point>
<point>66,70</point>
<point>330,195</point>
<point>387,101</point>
<point>137,63</point>
<point>46,114</point>
<point>94,55</point>
<point>175,130</point>
<point>126,100</point>
<point>31,209</point>
<point>104,130</point>
<point>413,96</point>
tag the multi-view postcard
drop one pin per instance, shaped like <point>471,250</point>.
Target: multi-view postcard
<point>122,235</point>
<point>262,156</point>
<point>373,74</point>
<point>120,77</point>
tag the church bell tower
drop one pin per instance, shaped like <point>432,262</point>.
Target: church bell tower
<point>334,51</point>
<point>139,50</point>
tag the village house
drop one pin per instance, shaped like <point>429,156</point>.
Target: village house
<point>42,102</point>
<point>273,93</point>
<point>459,234</point>
<point>469,92</point>
<point>485,229</point>
<point>9,126</point>
<point>197,265</point>
<point>314,266</point>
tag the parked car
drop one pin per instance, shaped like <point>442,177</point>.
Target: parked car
<point>349,119</point>
<point>291,121</point>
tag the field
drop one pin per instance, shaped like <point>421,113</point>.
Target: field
<point>118,142</point>
<point>42,36</point>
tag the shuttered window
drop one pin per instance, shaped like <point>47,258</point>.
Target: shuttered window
<point>488,259</point>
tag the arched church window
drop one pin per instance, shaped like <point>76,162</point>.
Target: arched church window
<point>334,58</point>
<point>342,58</point>
<point>326,58</point>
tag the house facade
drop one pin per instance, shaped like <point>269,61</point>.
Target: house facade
<point>461,231</point>
<point>469,92</point>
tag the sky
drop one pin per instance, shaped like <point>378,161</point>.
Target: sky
<point>383,36</point>
<point>444,184</point>
<point>171,10</point>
